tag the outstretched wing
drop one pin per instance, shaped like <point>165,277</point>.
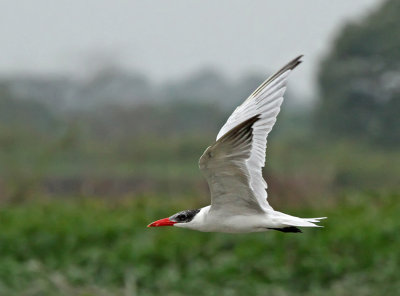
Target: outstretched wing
<point>224,165</point>
<point>265,102</point>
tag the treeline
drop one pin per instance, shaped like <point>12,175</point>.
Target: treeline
<point>113,85</point>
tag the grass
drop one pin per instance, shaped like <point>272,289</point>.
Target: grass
<point>89,247</point>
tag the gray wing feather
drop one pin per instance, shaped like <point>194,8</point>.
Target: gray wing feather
<point>265,101</point>
<point>224,167</point>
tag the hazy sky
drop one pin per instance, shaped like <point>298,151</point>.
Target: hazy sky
<point>167,39</point>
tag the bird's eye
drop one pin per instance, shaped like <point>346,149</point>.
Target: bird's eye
<point>181,217</point>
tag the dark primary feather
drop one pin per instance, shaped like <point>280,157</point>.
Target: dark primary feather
<point>287,229</point>
<point>289,66</point>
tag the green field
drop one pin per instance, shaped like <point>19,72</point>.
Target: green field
<point>95,247</point>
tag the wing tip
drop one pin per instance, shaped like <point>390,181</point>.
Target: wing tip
<point>293,63</point>
<point>288,67</point>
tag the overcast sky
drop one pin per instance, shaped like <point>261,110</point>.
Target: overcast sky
<point>168,39</point>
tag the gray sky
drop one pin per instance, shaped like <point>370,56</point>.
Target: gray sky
<point>169,39</point>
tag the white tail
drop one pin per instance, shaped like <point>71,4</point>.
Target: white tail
<point>287,220</point>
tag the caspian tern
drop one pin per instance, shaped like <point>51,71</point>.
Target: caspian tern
<point>233,166</point>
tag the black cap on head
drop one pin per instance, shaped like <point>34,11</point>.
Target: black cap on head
<point>184,216</point>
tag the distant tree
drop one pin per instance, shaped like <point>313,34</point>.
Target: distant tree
<point>29,115</point>
<point>359,80</point>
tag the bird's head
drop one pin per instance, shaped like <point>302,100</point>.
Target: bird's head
<point>181,219</point>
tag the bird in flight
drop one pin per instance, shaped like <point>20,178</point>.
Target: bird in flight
<point>233,166</point>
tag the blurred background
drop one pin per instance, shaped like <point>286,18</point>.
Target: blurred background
<point>106,106</point>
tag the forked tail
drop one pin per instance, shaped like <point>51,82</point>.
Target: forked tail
<point>287,223</point>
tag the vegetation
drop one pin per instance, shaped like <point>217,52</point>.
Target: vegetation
<point>100,248</point>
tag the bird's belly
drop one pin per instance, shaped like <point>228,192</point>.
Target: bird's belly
<point>235,224</point>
